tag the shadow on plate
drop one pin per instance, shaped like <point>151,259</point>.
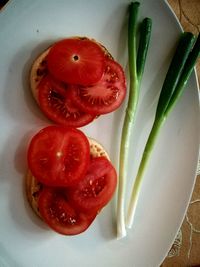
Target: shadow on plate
<point>5,258</point>
<point>107,222</point>
<point>15,167</point>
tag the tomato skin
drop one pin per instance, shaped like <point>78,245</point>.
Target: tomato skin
<point>60,215</point>
<point>106,95</point>
<point>76,61</point>
<point>59,156</point>
<point>55,101</point>
<point>96,189</point>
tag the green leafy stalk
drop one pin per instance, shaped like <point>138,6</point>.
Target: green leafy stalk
<point>187,70</point>
<point>145,35</point>
<point>175,69</point>
<point>177,76</point>
<point>135,79</point>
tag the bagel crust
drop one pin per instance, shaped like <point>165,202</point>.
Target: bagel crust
<point>38,70</point>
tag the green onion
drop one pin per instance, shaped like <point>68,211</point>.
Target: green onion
<point>177,76</point>
<point>136,67</point>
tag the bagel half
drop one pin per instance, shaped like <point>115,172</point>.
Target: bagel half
<point>33,187</point>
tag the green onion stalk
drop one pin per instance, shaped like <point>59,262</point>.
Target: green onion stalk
<point>178,74</point>
<point>137,58</point>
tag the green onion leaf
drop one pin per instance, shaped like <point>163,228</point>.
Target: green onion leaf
<point>175,69</point>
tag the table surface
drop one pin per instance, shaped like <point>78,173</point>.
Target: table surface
<point>185,251</point>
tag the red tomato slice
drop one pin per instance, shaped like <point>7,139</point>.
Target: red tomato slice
<point>106,95</point>
<point>61,215</point>
<point>96,189</point>
<point>59,156</point>
<point>55,101</point>
<point>76,61</point>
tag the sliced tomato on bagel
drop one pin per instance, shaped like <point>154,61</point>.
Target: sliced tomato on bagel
<point>76,61</point>
<point>106,95</point>
<point>60,215</point>
<point>96,189</point>
<point>59,156</point>
<point>54,98</point>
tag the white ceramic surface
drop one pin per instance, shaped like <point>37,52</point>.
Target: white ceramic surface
<point>28,27</point>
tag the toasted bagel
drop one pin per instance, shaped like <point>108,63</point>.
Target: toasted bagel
<point>38,70</point>
<point>33,187</point>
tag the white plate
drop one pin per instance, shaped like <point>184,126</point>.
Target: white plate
<point>28,27</point>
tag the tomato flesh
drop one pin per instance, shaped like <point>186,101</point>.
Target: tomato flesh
<point>76,61</point>
<point>60,214</point>
<point>59,156</point>
<point>106,95</point>
<point>96,189</point>
<point>55,101</point>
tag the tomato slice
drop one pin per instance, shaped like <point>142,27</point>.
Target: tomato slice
<point>96,189</point>
<point>76,61</point>
<point>55,101</point>
<point>106,95</point>
<point>59,156</point>
<point>61,215</point>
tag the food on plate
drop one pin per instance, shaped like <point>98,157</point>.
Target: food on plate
<point>60,214</point>
<point>69,210</point>
<point>76,61</point>
<point>104,96</point>
<point>182,63</point>
<point>96,189</point>
<point>59,156</point>
<point>39,67</point>
<point>75,80</point>
<point>56,103</point>
<point>177,76</point>
<point>34,187</point>
<point>139,35</point>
